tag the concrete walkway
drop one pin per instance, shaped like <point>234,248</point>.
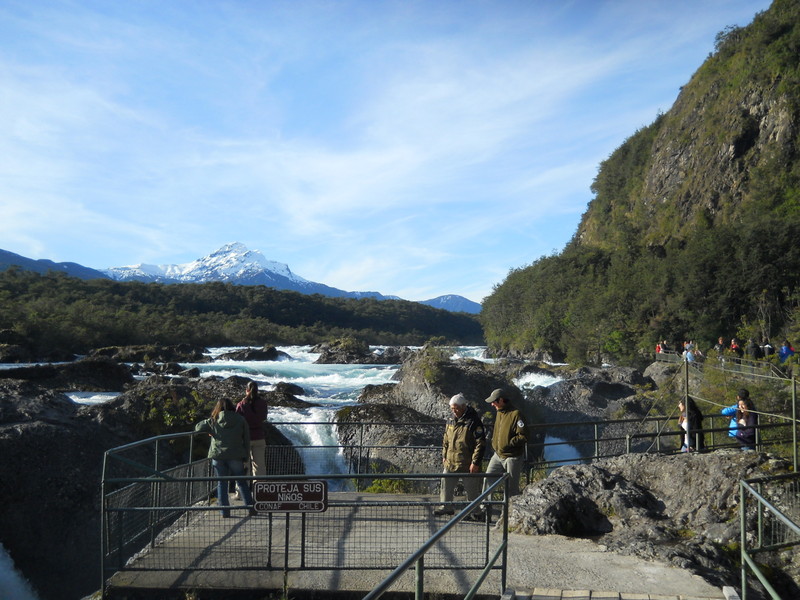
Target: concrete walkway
<point>539,567</point>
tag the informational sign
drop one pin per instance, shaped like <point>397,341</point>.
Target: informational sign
<point>291,496</point>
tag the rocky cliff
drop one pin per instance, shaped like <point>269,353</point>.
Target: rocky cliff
<point>732,129</point>
<point>679,509</point>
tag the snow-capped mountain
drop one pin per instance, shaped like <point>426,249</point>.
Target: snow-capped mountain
<point>234,263</point>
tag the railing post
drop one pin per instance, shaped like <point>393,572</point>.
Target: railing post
<point>713,434</point>
<point>155,516</point>
<point>627,444</point>
<point>658,436</point>
<point>596,441</point>
<point>794,422</point>
<point>360,453</point>
<point>189,495</point>
<point>103,529</point>
<point>760,521</point>
<point>420,582</point>
<point>504,571</point>
<point>686,383</point>
<point>743,539</point>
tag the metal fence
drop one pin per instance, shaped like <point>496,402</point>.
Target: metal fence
<point>551,445</point>
<point>161,518</point>
<point>732,364</point>
<point>770,524</point>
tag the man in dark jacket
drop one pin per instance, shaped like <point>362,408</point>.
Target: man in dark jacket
<point>463,447</point>
<point>508,440</point>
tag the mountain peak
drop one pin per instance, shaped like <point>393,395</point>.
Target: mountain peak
<point>235,261</point>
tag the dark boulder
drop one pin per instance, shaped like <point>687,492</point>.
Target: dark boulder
<point>89,374</point>
<point>182,353</point>
<point>395,438</point>
<point>348,351</point>
<point>16,348</point>
<point>16,353</point>
<point>9,336</point>
<point>255,354</point>
<point>285,394</point>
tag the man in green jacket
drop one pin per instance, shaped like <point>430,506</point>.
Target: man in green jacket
<point>463,447</point>
<point>508,440</point>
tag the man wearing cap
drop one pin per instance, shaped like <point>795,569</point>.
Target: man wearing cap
<point>463,447</point>
<point>508,440</point>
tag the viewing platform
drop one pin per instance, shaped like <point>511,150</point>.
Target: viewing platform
<point>365,535</point>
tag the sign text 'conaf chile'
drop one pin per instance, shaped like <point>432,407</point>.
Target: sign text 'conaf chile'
<point>291,496</point>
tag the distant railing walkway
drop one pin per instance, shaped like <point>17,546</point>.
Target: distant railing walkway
<point>730,363</point>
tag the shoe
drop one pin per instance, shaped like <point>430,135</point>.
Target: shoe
<point>476,517</point>
<point>441,512</point>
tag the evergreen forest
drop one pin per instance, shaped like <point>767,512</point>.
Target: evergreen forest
<point>56,312</point>
<point>692,231</point>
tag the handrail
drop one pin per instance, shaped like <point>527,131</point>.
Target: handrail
<point>417,556</point>
<point>747,489</point>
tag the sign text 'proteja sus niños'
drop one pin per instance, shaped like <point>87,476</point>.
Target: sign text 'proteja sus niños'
<point>291,496</point>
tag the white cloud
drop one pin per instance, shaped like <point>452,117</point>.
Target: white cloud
<point>369,146</point>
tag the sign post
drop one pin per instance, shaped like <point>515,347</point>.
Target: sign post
<point>310,495</point>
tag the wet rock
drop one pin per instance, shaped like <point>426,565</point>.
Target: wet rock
<point>267,353</point>
<point>285,394</point>
<point>96,374</point>
<point>154,353</point>
<point>349,351</point>
<point>396,438</point>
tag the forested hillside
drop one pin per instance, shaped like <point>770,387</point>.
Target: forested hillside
<point>693,228</point>
<point>56,312</point>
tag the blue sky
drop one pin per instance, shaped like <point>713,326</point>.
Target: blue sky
<point>414,148</point>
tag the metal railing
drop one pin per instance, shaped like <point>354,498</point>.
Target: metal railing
<point>769,512</point>
<point>163,517</point>
<point>570,443</point>
<point>417,559</point>
<point>732,364</point>
<point>606,439</point>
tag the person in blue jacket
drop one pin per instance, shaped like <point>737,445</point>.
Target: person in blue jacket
<point>747,420</point>
<point>785,351</point>
<point>743,420</point>
<point>730,411</point>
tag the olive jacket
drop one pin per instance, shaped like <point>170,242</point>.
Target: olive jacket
<point>230,436</point>
<point>509,436</point>
<point>464,442</point>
